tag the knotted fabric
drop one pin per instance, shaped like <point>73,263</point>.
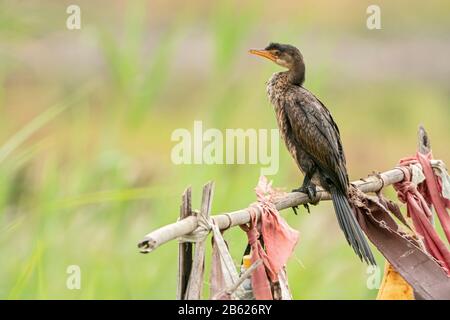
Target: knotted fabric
<point>278,237</point>
<point>418,200</point>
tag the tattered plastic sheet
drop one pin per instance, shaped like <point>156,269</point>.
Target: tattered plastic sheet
<point>403,251</point>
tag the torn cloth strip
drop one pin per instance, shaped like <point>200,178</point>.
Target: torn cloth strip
<point>441,171</point>
<point>278,237</point>
<point>417,267</point>
<point>260,282</point>
<point>418,201</point>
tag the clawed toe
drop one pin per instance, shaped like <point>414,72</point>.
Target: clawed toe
<point>310,191</point>
<point>306,207</point>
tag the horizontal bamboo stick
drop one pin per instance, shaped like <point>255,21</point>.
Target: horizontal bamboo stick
<point>188,225</point>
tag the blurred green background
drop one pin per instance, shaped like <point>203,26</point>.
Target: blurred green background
<point>86,118</point>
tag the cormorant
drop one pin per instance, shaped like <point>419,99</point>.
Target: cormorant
<point>312,138</point>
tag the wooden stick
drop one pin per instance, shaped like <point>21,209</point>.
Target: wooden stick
<point>424,147</point>
<point>424,142</point>
<point>247,274</point>
<point>188,225</point>
<point>244,276</point>
<point>184,248</point>
<point>195,284</point>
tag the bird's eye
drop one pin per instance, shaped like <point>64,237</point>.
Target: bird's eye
<point>276,52</point>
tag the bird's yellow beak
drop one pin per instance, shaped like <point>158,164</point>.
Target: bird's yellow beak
<point>263,53</point>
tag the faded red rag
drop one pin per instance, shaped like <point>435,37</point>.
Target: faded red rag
<point>434,192</point>
<point>418,201</point>
<point>260,282</point>
<point>278,237</point>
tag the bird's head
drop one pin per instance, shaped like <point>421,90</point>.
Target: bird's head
<point>284,55</point>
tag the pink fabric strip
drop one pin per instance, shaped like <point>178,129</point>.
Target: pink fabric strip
<point>278,237</point>
<point>260,281</point>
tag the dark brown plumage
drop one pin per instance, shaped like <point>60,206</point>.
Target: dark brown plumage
<point>312,137</point>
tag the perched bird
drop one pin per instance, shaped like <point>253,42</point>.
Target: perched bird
<point>312,138</point>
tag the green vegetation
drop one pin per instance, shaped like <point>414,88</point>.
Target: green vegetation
<point>86,119</point>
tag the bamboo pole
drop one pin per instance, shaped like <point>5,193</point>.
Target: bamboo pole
<point>158,237</point>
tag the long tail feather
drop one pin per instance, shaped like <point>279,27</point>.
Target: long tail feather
<point>352,231</point>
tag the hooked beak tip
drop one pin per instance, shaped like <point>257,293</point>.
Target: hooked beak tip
<point>263,53</point>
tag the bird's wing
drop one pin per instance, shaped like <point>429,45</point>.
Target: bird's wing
<point>318,135</point>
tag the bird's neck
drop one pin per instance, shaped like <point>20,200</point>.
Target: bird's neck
<point>296,75</point>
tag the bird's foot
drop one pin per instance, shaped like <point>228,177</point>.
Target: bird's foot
<point>311,191</point>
